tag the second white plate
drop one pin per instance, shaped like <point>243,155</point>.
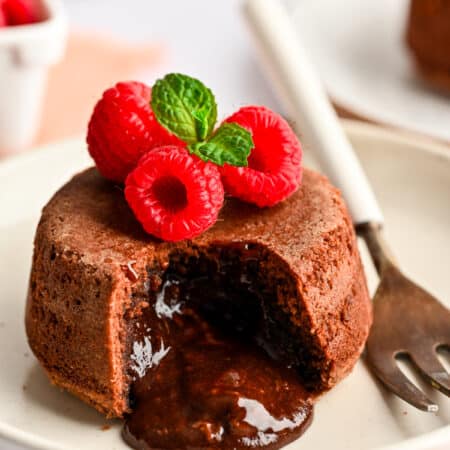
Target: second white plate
<point>359,49</point>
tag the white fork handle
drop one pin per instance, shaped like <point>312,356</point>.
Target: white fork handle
<point>296,81</point>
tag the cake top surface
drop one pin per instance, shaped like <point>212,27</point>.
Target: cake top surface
<point>90,217</point>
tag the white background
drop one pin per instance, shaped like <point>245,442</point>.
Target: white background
<point>206,39</point>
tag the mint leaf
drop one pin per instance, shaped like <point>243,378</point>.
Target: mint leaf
<point>230,144</point>
<point>185,106</point>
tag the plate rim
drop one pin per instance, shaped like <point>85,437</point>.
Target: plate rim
<point>353,128</point>
<point>416,141</point>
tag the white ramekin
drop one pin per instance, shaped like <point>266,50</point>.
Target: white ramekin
<point>26,53</point>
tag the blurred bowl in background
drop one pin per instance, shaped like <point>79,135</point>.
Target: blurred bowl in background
<point>26,54</point>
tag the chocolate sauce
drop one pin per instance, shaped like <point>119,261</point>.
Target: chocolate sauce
<point>201,380</point>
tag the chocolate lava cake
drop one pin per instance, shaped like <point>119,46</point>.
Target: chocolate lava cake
<point>114,314</point>
<point>428,36</point>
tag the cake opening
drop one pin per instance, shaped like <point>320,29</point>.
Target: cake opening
<point>205,374</point>
<point>171,193</point>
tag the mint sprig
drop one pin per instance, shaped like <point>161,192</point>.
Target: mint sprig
<point>187,108</point>
<point>230,144</point>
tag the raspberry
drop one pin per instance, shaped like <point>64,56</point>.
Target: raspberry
<point>20,12</point>
<point>122,128</point>
<point>173,194</point>
<point>3,22</point>
<point>274,165</point>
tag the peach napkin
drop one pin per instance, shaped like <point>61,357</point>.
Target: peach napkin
<point>92,63</point>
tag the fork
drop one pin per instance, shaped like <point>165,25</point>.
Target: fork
<point>422,325</point>
<point>407,319</point>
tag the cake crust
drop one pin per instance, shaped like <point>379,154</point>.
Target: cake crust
<point>93,267</point>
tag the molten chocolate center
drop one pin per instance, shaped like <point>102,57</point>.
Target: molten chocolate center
<point>202,377</point>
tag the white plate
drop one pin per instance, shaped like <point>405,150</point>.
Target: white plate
<point>359,49</point>
<point>412,181</point>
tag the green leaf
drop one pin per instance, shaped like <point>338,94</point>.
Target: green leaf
<point>230,144</point>
<point>185,106</point>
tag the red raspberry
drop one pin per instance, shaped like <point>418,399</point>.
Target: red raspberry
<point>274,166</point>
<point>3,22</point>
<point>20,12</point>
<point>173,194</point>
<point>122,128</point>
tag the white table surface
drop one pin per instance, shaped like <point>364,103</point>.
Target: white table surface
<point>203,38</point>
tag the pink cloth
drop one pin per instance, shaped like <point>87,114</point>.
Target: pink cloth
<point>92,64</point>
